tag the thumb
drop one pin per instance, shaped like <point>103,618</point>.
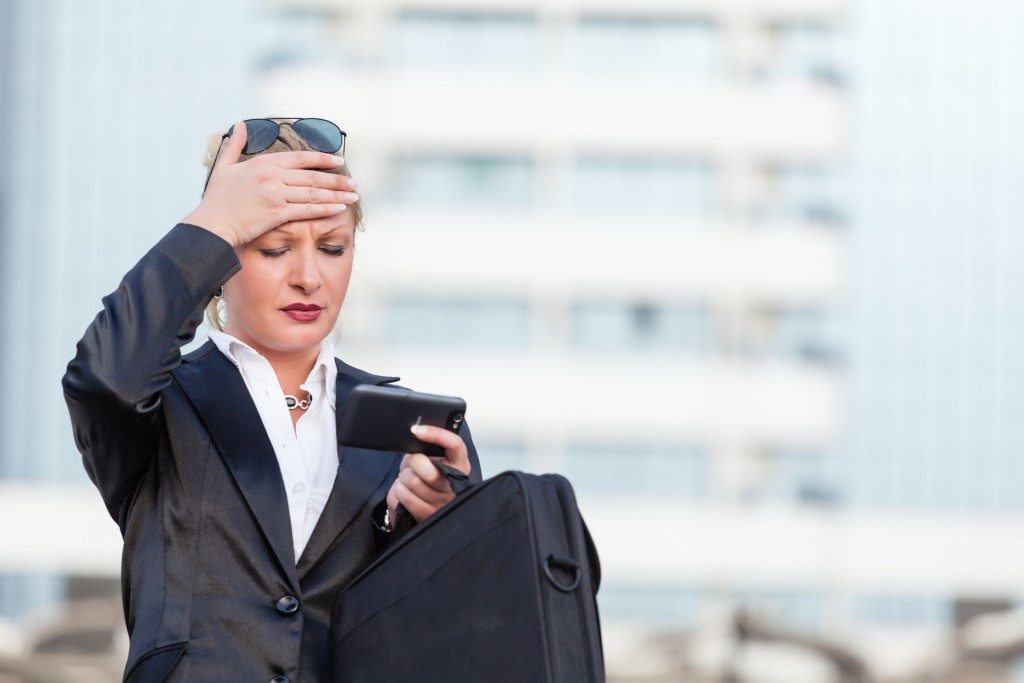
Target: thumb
<point>236,143</point>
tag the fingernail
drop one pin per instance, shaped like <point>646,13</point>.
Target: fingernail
<point>354,183</point>
<point>416,429</point>
<point>355,197</point>
<point>340,161</point>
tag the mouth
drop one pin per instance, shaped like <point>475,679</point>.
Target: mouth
<point>302,312</point>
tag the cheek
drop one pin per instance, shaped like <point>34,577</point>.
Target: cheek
<point>252,286</point>
<point>336,279</point>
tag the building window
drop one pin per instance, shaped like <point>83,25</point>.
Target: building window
<point>641,325</point>
<point>293,35</point>
<point>466,40</point>
<point>794,475</point>
<point>644,186</point>
<point>491,324</point>
<point>805,51</point>
<point>647,47</point>
<point>799,333</point>
<point>803,193</point>
<point>462,180</point>
<point>670,472</point>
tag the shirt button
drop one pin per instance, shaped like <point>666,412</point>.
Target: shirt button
<point>299,488</point>
<point>289,604</point>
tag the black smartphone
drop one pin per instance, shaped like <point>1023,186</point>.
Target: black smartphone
<point>380,417</point>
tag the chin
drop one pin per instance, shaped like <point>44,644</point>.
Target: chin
<point>303,339</point>
<point>297,339</point>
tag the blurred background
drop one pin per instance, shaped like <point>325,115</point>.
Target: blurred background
<point>745,271</point>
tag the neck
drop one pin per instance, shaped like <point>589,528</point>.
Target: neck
<point>291,367</point>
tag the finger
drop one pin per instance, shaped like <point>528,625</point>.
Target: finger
<point>423,470</point>
<point>455,452</point>
<point>422,489</point>
<point>311,178</point>
<point>416,507</point>
<point>392,499</point>
<point>316,195</point>
<point>305,160</point>
<point>235,144</point>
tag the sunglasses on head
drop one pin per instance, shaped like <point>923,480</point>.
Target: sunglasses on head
<point>320,134</point>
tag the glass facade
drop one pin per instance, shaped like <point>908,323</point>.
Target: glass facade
<point>644,187</point>
<point>807,334</point>
<point>431,322</point>
<point>796,475</point>
<point>465,41</point>
<point>936,302</point>
<point>805,193</point>
<point>636,468</point>
<point>643,48</point>
<point>462,180</point>
<point>807,51</point>
<point>642,326</point>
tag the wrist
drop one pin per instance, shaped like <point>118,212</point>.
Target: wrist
<point>210,223</point>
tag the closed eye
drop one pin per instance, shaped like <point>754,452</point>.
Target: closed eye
<point>272,253</point>
<point>332,250</point>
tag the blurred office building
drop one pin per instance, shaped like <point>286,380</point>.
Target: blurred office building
<point>742,270</point>
<point>96,98</point>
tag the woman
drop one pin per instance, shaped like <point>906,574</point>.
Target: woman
<point>240,525</point>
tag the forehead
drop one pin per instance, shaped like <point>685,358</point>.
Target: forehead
<point>291,231</point>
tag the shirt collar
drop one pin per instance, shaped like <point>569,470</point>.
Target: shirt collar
<point>238,352</point>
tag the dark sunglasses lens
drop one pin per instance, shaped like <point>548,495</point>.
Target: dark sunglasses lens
<point>259,135</point>
<point>321,134</point>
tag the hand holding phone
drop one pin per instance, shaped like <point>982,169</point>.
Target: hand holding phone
<point>381,417</point>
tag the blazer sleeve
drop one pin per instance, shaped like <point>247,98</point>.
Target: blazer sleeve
<point>123,363</point>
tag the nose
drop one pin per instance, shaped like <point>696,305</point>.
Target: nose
<point>305,275</point>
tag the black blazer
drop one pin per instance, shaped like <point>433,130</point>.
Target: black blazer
<point>179,454</point>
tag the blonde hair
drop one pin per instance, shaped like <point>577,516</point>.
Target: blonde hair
<point>288,141</point>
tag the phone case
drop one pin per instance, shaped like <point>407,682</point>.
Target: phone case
<point>380,417</point>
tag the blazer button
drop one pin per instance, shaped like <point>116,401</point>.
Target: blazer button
<point>289,604</point>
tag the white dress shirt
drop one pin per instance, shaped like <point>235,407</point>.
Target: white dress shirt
<point>308,452</point>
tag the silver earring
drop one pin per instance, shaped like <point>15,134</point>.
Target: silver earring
<point>220,293</point>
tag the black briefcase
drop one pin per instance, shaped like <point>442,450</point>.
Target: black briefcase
<point>497,586</point>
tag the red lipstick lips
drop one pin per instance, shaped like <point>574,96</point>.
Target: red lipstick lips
<point>302,312</point>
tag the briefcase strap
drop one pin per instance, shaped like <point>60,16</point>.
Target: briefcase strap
<point>459,482</point>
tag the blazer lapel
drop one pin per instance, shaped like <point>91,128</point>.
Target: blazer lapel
<point>217,391</point>
<point>360,472</point>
